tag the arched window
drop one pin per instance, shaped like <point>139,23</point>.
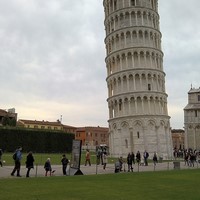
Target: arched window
<point>115,5</point>
<point>132,2</point>
<point>152,4</point>
<point>120,105</point>
<point>149,87</point>
<point>126,142</point>
<point>196,115</point>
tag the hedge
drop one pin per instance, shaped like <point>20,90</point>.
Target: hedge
<point>38,141</point>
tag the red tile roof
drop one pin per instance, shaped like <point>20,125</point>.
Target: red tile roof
<point>3,112</point>
<point>39,122</point>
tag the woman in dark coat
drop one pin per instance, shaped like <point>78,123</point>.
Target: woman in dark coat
<point>155,159</point>
<point>138,157</point>
<point>29,163</point>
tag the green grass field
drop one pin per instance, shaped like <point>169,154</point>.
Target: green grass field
<point>168,185</point>
<point>55,158</point>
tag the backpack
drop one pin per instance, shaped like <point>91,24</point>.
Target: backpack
<point>14,156</point>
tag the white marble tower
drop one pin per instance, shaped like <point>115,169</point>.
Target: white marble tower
<point>137,100</point>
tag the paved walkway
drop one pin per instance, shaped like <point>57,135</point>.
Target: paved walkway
<point>38,171</point>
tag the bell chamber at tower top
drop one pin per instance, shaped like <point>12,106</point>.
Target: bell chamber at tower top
<point>115,5</point>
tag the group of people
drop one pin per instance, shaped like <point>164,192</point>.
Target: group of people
<point>17,156</point>
<point>138,158</point>
<point>102,157</point>
<point>48,168</point>
<point>190,157</point>
<point>132,159</point>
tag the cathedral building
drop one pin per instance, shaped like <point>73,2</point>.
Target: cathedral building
<point>137,99</point>
<point>192,120</point>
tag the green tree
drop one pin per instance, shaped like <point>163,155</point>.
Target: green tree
<point>12,122</point>
<point>5,121</point>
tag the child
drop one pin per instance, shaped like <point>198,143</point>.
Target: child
<point>47,167</point>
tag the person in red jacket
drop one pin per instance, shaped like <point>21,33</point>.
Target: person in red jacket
<point>87,158</point>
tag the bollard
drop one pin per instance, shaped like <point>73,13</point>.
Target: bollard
<point>36,170</point>
<point>96,168</point>
<point>176,165</point>
<point>124,168</point>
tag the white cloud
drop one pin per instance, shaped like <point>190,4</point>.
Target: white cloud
<point>52,58</point>
<point>181,45</point>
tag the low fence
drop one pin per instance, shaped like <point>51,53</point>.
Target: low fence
<point>39,171</point>
<point>164,166</point>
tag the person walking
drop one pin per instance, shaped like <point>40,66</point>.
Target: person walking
<point>138,158</point>
<point>129,162</point>
<point>64,162</point>
<point>117,166</point>
<point>192,159</point>
<point>47,167</point>
<point>121,163</point>
<point>87,158</point>
<point>146,155</point>
<point>17,158</point>
<point>105,160</point>
<point>29,163</point>
<point>155,158</point>
<point>186,158</point>
<point>133,157</point>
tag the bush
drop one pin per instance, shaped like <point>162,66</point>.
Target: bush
<point>35,140</point>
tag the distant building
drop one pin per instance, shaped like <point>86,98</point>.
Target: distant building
<point>92,136</point>
<point>178,139</point>
<point>7,116</point>
<point>192,120</point>
<point>69,129</point>
<point>34,124</point>
<point>56,126</point>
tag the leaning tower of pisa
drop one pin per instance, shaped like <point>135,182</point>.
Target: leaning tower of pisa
<point>137,100</point>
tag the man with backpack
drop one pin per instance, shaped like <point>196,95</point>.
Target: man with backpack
<point>17,156</point>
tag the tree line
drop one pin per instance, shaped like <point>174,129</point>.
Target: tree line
<point>38,141</point>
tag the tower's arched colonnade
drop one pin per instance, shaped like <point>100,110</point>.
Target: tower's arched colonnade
<point>137,100</point>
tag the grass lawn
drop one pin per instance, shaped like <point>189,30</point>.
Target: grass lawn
<point>40,158</point>
<point>167,185</point>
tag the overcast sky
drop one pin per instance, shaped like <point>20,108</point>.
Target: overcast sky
<point>52,58</point>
